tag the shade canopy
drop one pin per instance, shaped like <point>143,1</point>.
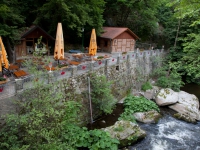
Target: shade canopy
<point>59,44</point>
<point>3,56</point>
<point>93,43</point>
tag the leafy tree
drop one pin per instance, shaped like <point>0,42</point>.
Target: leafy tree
<point>188,14</point>
<point>101,94</point>
<point>73,14</point>
<point>10,20</point>
<point>191,59</point>
<point>185,8</point>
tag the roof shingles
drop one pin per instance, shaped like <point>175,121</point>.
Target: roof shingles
<point>113,32</point>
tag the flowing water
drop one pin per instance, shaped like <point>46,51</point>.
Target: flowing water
<point>169,134</point>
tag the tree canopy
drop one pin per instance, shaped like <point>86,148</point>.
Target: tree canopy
<point>174,24</point>
<point>187,12</point>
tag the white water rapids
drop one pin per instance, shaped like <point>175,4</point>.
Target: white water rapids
<point>169,134</point>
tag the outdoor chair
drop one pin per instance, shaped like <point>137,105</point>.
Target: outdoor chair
<point>6,72</point>
<point>20,73</point>
<point>13,67</point>
<point>20,62</point>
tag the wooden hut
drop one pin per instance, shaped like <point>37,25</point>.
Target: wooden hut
<point>117,39</point>
<point>27,44</point>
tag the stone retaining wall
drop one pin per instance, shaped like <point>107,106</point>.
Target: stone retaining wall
<point>126,72</point>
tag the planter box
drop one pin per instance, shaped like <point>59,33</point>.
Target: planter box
<point>3,82</point>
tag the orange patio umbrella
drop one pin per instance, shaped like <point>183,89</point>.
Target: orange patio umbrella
<point>59,44</point>
<point>93,44</point>
<point>3,56</point>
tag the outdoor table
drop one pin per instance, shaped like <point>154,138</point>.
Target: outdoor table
<point>74,63</point>
<point>20,73</point>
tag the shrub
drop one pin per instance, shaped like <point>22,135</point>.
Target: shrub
<point>101,94</point>
<point>79,137</point>
<point>134,104</point>
<point>146,86</point>
<point>173,81</point>
<point>163,82</point>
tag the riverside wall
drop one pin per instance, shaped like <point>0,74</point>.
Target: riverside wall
<point>126,72</point>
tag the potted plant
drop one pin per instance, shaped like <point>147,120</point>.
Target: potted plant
<point>63,65</point>
<point>3,80</point>
<point>100,57</point>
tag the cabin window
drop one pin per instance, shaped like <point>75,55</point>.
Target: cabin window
<point>29,43</point>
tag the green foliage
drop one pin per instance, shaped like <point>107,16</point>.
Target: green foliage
<point>2,79</point>
<point>127,116</point>
<point>100,57</point>
<point>78,137</point>
<point>169,75</point>
<point>140,75</point>
<point>134,104</point>
<point>10,18</point>
<point>191,59</point>
<point>40,49</point>
<point>173,81</point>
<point>101,94</point>
<point>186,8</point>
<point>119,129</point>
<point>146,86</point>
<point>139,104</point>
<point>162,82</point>
<point>73,14</point>
<point>101,140</point>
<point>181,20</point>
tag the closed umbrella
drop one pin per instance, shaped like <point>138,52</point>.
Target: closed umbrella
<point>93,44</point>
<point>59,44</point>
<point>3,56</point>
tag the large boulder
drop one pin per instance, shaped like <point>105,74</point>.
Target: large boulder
<point>166,97</point>
<point>148,94</point>
<point>126,132</point>
<point>187,107</point>
<point>151,93</point>
<point>185,117</point>
<point>147,117</point>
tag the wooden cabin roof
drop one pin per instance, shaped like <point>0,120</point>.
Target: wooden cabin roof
<point>113,32</point>
<point>32,29</point>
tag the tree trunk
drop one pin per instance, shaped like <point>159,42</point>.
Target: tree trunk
<point>9,50</point>
<point>177,32</point>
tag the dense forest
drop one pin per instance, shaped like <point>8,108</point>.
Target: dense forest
<point>174,24</point>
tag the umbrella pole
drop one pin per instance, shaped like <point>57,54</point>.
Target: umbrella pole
<point>91,117</point>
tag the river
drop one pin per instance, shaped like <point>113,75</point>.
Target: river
<point>169,134</point>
